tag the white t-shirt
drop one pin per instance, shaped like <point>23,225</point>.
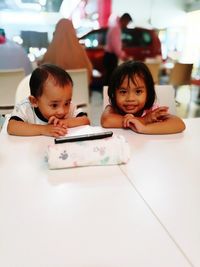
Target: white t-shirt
<point>24,111</point>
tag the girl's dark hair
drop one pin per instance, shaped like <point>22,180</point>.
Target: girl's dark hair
<point>130,69</point>
<point>42,73</point>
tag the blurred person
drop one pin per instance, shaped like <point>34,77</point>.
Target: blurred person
<point>65,50</point>
<point>12,55</point>
<point>113,48</point>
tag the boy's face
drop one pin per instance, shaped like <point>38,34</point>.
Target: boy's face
<point>131,97</point>
<point>54,101</point>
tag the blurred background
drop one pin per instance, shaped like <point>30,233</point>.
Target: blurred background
<point>31,24</point>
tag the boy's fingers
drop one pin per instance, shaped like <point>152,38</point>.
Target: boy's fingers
<point>51,120</point>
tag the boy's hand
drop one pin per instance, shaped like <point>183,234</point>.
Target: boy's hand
<point>59,122</point>
<point>53,130</point>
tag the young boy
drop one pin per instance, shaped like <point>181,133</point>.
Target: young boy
<point>48,110</point>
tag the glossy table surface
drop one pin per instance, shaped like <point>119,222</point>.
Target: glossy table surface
<point>144,213</point>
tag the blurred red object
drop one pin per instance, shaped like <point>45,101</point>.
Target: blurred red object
<point>2,39</point>
<point>195,82</point>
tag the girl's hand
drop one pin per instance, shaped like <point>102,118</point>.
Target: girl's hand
<point>158,114</point>
<point>133,123</point>
<point>54,130</point>
<point>136,125</point>
<point>126,120</point>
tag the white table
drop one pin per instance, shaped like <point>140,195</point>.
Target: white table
<point>165,171</point>
<point>128,215</point>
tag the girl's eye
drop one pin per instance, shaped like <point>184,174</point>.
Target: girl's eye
<point>138,91</point>
<point>122,92</point>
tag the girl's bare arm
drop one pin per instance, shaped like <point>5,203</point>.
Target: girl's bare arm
<point>167,125</point>
<point>172,124</point>
<point>110,119</point>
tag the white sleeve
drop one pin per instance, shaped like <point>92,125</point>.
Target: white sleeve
<point>23,110</point>
<point>73,111</point>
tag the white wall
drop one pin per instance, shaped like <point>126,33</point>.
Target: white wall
<point>191,42</point>
<point>164,13</point>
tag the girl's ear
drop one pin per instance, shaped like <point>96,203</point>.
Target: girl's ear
<point>33,101</point>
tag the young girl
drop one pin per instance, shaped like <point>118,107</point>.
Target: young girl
<point>48,110</point>
<point>132,95</point>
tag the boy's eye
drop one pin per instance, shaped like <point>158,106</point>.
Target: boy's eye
<point>54,105</point>
<point>67,103</point>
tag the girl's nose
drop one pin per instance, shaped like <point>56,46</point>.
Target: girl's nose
<point>130,97</point>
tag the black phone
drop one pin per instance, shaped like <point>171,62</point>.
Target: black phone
<point>83,137</point>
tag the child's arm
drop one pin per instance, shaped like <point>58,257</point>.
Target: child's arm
<point>157,122</point>
<point>77,121</point>
<point>110,119</point>
<point>71,122</point>
<point>172,124</point>
<point>22,128</point>
<point>158,114</point>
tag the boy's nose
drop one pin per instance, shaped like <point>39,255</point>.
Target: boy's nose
<point>62,111</point>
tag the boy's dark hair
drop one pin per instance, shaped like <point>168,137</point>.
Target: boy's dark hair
<point>130,69</point>
<point>126,16</point>
<point>42,73</point>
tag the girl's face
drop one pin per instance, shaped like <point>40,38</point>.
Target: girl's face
<point>54,101</point>
<point>131,97</point>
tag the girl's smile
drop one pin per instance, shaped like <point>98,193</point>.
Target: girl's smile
<point>131,96</point>
<point>129,107</point>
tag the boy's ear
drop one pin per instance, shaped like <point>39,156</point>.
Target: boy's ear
<point>33,101</point>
